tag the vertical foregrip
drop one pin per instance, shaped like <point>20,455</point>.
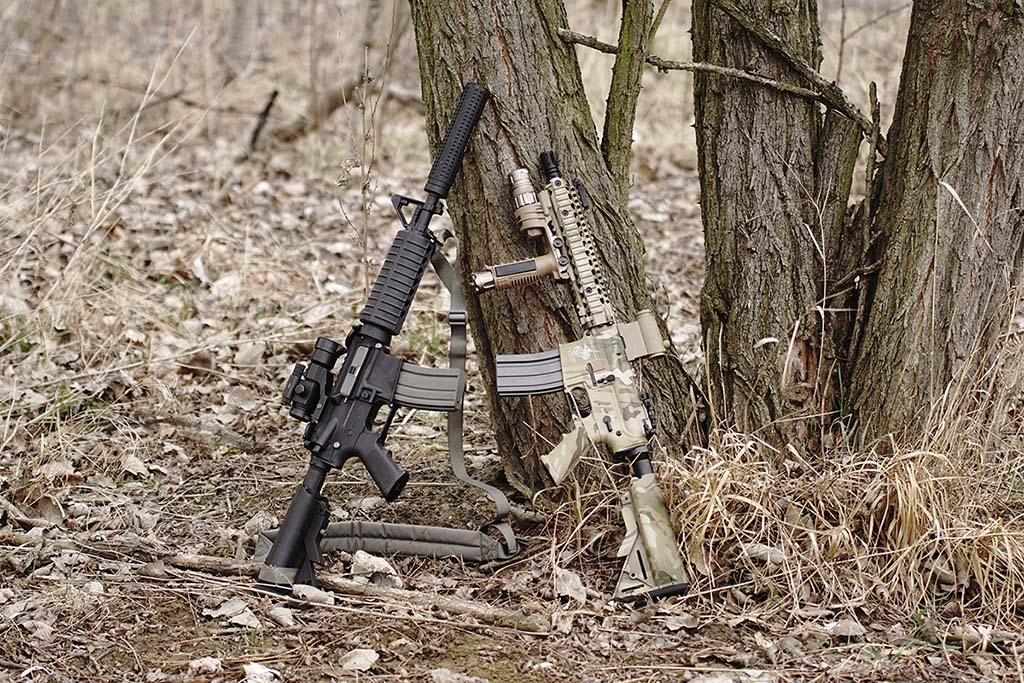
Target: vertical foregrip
<point>398,280</point>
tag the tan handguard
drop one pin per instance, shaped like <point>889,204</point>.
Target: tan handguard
<point>653,567</point>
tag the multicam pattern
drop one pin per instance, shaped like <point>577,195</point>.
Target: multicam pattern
<point>597,367</point>
<point>617,417</point>
<point>650,547</point>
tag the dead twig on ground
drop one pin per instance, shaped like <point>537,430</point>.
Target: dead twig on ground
<point>521,621</point>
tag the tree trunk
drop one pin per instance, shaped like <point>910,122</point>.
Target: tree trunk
<point>950,214</point>
<point>775,181</point>
<point>538,103</point>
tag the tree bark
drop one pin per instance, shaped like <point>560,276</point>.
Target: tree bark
<point>950,215</point>
<point>513,48</point>
<point>775,180</point>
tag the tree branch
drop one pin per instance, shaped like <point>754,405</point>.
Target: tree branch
<point>619,116</point>
<point>670,65</point>
<point>656,24</point>
<point>831,93</point>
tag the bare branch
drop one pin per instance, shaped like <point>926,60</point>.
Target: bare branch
<point>617,137</point>
<point>656,24</point>
<point>831,93</point>
<point>671,65</point>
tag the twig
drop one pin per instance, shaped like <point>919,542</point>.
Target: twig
<point>260,123</point>
<point>670,65</point>
<point>532,623</point>
<point>656,24</point>
<point>833,95</point>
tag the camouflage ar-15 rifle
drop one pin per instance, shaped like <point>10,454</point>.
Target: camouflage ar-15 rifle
<point>594,372</point>
<point>342,409</point>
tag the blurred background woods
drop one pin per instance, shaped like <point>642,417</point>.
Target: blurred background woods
<point>160,274</point>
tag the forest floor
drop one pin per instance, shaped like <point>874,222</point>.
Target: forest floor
<point>144,422</point>
<point>155,292</point>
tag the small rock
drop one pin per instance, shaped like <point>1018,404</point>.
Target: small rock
<point>360,659</point>
<point>257,673</point>
<point>282,616</point>
<point>204,665</point>
<point>312,594</point>
<point>369,503</point>
<point>94,587</point>
<point>376,569</point>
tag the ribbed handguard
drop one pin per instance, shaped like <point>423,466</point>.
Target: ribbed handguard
<point>446,166</point>
<point>399,278</point>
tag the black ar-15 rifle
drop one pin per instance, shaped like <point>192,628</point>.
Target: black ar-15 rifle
<point>341,410</point>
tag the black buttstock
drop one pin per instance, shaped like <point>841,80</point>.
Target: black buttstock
<point>446,165</point>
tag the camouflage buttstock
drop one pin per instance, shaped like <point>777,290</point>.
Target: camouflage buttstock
<point>653,566</point>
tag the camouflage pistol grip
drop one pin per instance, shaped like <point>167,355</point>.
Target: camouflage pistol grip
<point>564,456</point>
<point>653,565</point>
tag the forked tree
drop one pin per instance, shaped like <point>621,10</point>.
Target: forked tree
<point>883,312</point>
<point>513,48</point>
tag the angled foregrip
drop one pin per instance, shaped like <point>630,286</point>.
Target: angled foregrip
<point>449,158</point>
<point>517,273</point>
<point>399,278</point>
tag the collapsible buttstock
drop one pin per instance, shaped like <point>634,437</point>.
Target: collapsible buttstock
<point>653,565</point>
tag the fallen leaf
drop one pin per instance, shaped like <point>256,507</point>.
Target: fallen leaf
<point>845,628</point>
<point>228,608</point>
<point>131,464</point>
<point>257,673</point>
<point>569,584</point>
<point>676,622</point>
<point>360,659</point>
<point>204,665</point>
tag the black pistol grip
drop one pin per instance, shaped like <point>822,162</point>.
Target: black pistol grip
<point>398,280</point>
<point>446,165</point>
<point>389,477</point>
<point>529,374</point>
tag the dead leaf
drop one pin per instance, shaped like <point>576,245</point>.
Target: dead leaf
<point>845,628</point>
<point>569,584</point>
<point>257,673</point>
<point>360,659</point>
<point>131,464</point>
